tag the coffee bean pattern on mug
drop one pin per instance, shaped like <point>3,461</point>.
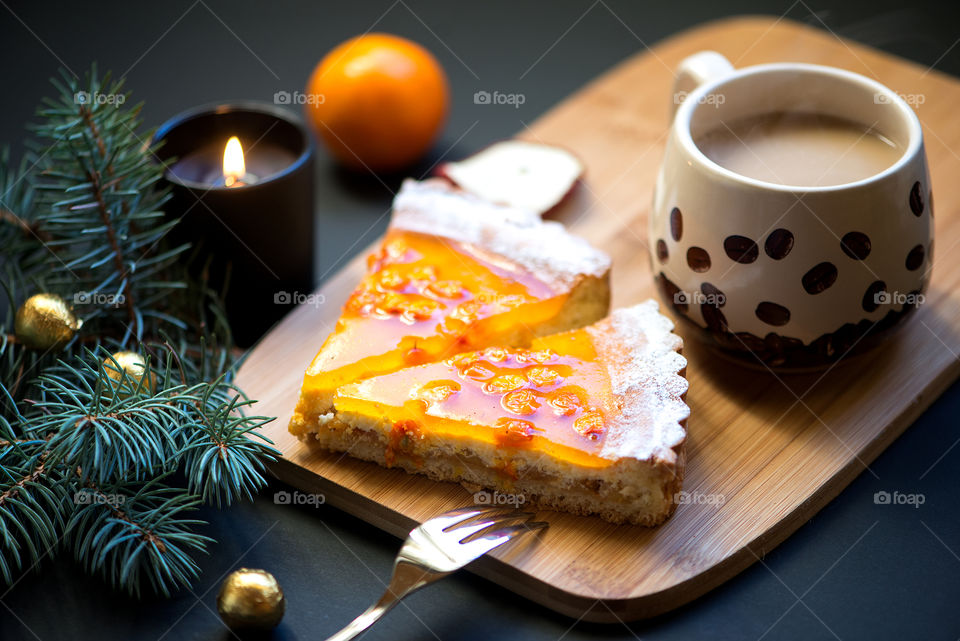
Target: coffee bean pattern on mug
<point>698,259</point>
<point>778,243</point>
<point>711,292</point>
<point>871,297</point>
<point>916,200</point>
<point>741,249</point>
<point>854,245</point>
<point>663,254</point>
<point>819,278</point>
<point>915,258</point>
<point>676,224</point>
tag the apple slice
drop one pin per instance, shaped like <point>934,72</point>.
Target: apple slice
<point>520,174</point>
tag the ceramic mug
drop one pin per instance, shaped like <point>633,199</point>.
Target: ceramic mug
<point>789,276</point>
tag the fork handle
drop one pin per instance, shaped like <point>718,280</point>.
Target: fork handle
<point>368,618</point>
<point>406,578</point>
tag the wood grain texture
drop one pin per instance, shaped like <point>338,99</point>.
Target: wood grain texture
<point>776,449</point>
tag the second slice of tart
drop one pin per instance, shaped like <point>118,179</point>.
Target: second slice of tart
<point>454,273</point>
<point>590,421</point>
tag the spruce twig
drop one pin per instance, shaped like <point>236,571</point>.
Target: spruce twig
<point>113,464</point>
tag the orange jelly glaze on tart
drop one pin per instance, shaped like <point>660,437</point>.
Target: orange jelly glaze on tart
<point>425,298</point>
<point>551,398</point>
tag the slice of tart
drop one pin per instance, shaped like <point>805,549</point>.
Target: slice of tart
<point>589,421</point>
<point>454,273</point>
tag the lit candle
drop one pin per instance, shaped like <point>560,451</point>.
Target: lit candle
<point>234,169</point>
<point>241,183</point>
<point>220,164</point>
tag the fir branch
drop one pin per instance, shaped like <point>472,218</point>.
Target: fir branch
<point>111,429</point>
<point>33,503</point>
<point>82,452</point>
<point>137,537</point>
<point>225,454</point>
<point>225,459</point>
<point>101,203</point>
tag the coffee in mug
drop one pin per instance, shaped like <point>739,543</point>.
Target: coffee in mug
<point>800,149</point>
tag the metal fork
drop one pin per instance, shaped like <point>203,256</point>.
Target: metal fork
<point>438,547</point>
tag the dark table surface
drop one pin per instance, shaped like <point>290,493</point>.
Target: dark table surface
<point>858,570</point>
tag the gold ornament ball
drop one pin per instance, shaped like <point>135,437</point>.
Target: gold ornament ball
<point>134,366</point>
<point>251,600</point>
<point>45,321</point>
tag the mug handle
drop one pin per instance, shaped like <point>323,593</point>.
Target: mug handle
<point>695,70</point>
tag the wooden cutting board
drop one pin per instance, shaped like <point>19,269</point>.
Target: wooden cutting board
<point>776,450</point>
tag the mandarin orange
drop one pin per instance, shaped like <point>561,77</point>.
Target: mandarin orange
<point>384,101</point>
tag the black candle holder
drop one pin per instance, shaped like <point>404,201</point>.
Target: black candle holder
<point>256,240</point>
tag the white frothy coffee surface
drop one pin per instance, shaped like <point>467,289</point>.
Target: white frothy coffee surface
<point>799,149</point>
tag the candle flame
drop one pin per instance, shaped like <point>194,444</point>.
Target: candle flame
<point>234,169</point>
